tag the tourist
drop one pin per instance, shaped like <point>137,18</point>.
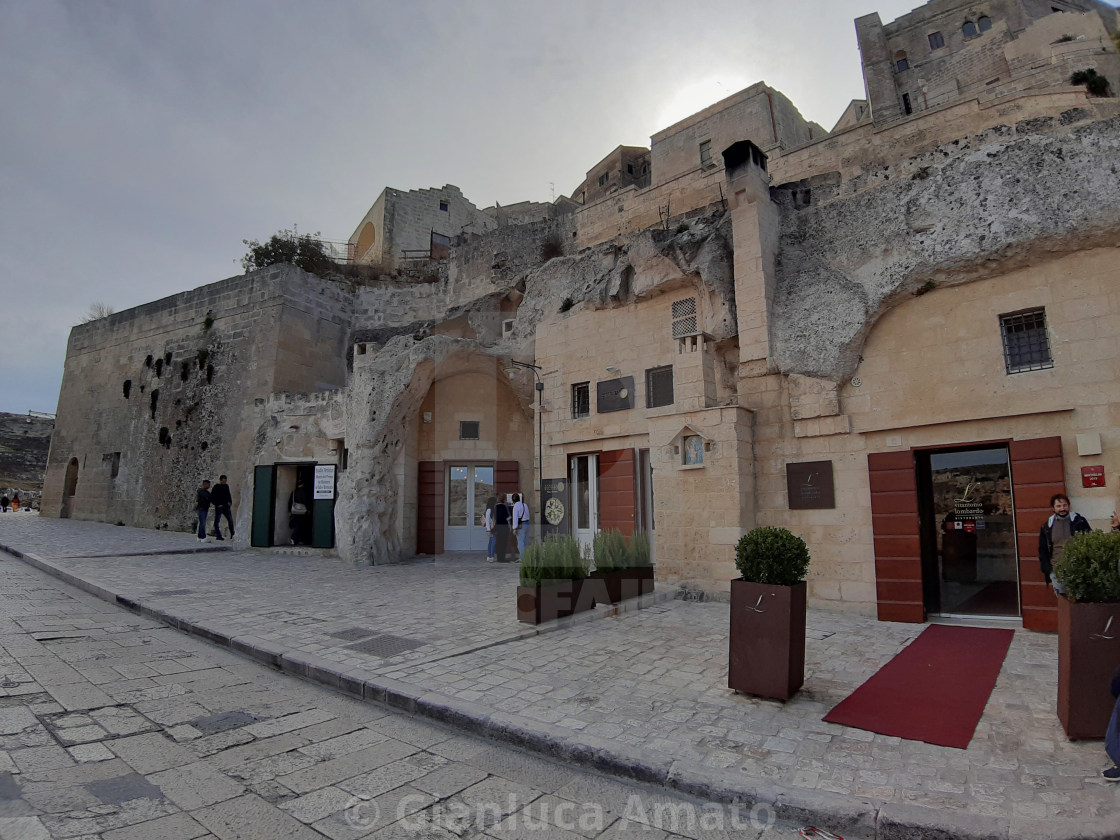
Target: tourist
<point>501,530</point>
<point>521,524</point>
<point>491,541</point>
<point>4,503</point>
<point>202,505</point>
<point>1112,735</point>
<point>299,513</point>
<point>15,503</point>
<point>223,503</point>
<point>1056,532</point>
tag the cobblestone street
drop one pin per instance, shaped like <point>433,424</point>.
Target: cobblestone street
<point>642,693</point>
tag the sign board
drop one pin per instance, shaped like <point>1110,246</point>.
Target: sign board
<point>556,519</point>
<point>809,485</point>
<point>614,394</point>
<point>1092,476</point>
<point>324,481</point>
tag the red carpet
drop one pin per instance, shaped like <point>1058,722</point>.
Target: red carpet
<point>935,690</point>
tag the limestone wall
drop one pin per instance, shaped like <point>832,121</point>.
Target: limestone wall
<point>194,363</point>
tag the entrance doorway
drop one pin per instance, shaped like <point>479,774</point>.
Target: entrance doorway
<point>468,488</point>
<point>969,558</point>
<point>583,480</point>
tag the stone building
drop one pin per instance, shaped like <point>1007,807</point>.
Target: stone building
<point>897,339</point>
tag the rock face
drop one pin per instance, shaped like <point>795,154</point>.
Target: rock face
<point>24,442</point>
<point>968,210</point>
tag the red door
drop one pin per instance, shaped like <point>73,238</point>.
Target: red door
<point>1037,473</point>
<point>898,548</point>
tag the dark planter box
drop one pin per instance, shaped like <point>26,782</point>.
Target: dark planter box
<point>616,586</point>
<point>1086,659</point>
<point>767,644</point>
<point>553,599</point>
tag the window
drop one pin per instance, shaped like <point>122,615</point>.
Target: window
<point>906,106</point>
<point>581,400</point>
<point>606,176</point>
<point>468,430</point>
<point>969,29</point>
<point>629,169</point>
<point>659,386</point>
<point>1026,345</point>
<point>900,62</point>
<point>684,317</point>
<point>984,23</point>
<point>706,154</point>
<point>443,206</point>
<point>936,40</point>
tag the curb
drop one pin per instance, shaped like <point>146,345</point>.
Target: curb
<point>849,816</point>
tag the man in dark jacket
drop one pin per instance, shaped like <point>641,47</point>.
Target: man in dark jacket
<point>223,503</point>
<point>202,504</point>
<point>1057,531</point>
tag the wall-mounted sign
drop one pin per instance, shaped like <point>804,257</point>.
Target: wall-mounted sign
<point>809,485</point>
<point>324,481</point>
<point>614,394</point>
<point>1092,476</point>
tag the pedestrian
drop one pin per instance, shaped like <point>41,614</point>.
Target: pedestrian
<point>15,503</point>
<point>1056,532</point>
<point>491,539</point>
<point>1112,735</point>
<point>223,502</point>
<point>202,505</point>
<point>299,513</point>
<point>4,503</point>
<point>521,524</point>
<point>501,530</point>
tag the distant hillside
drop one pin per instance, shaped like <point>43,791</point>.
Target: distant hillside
<point>24,441</point>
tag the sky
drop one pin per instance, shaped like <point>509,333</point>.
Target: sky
<point>141,142</point>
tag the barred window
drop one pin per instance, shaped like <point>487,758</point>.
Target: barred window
<point>659,386</point>
<point>684,318</point>
<point>581,400</point>
<point>1026,346</point>
<point>468,430</point>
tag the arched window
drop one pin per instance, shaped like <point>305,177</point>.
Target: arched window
<point>985,23</point>
<point>969,29</point>
<point>900,62</point>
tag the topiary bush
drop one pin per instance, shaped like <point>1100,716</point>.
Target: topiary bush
<point>772,556</point>
<point>1089,568</point>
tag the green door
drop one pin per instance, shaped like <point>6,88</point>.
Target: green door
<point>322,510</point>
<point>264,479</point>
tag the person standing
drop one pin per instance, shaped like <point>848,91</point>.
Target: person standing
<point>491,539</point>
<point>202,505</point>
<point>1056,532</point>
<point>15,503</point>
<point>1112,734</point>
<point>4,503</point>
<point>299,513</point>
<point>223,503</point>
<point>521,524</point>
<point>501,530</point>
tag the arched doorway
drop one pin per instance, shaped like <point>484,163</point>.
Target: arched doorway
<point>69,488</point>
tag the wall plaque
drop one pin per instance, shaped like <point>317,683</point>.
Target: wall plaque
<point>614,394</point>
<point>1092,476</point>
<point>324,481</point>
<point>809,485</point>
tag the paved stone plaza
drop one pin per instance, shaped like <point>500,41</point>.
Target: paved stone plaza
<point>641,693</point>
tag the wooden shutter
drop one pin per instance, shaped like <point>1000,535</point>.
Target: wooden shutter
<point>1037,473</point>
<point>617,491</point>
<point>895,526</point>
<point>429,508</point>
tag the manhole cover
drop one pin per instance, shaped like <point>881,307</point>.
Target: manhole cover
<point>386,646</point>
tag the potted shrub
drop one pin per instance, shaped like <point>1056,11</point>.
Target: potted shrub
<point>1088,574</point>
<point>552,576</point>
<point>621,571</point>
<point>767,642</point>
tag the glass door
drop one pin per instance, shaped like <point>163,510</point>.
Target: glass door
<point>583,479</point>
<point>468,488</point>
<point>970,526</point>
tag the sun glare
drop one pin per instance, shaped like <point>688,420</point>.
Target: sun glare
<point>695,96</point>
